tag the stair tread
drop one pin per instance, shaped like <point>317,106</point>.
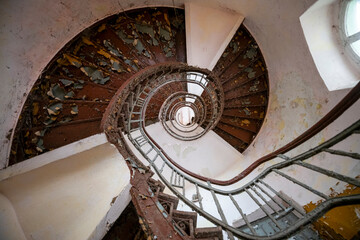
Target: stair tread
<point>241,134</point>
<point>246,112</point>
<point>169,198</point>
<point>235,142</point>
<point>250,125</point>
<point>185,214</point>
<point>208,232</point>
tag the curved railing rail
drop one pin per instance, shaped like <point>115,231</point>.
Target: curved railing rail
<point>325,121</point>
<point>261,191</point>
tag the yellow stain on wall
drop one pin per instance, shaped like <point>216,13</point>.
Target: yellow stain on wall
<point>341,222</point>
<point>299,101</point>
<point>322,140</point>
<point>274,102</point>
<point>281,125</point>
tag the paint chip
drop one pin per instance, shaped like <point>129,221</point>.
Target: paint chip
<point>70,95</point>
<point>66,82</point>
<point>54,109</point>
<point>57,92</point>
<point>74,110</point>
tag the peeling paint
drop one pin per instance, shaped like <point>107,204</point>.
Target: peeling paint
<point>341,222</point>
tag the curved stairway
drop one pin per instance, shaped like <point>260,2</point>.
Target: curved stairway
<point>116,77</point>
<point>150,198</point>
<point>68,100</point>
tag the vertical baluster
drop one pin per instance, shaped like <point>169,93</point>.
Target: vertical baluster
<point>264,191</point>
<point>264,200</point>
<point>140,102</point>
<point>149,151</point>
<point>242,215</point>
<point>131,102</point>
<point>301,184</point>
<point>172,175</point>
<point>198,196</point>
<point>183,182</point>
<point>299,210</point>
<point>262,208</point>
<point>220,211</point>
<point>162,167</point>
<point>176,175</point>
<point>153,160</point>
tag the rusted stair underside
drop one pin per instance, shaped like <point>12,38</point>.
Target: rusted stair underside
<point>68,100</point>
<point>158,214</point>
<point>243,73</point>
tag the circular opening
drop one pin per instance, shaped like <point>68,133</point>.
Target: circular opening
<point>185,116</point>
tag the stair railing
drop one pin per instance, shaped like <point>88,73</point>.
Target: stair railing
<point>192,190</point>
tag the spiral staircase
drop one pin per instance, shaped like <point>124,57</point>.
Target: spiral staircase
<point>128,72</point>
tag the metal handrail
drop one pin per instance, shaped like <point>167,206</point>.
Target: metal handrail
<point>179,180</point>
<point>325,121</point>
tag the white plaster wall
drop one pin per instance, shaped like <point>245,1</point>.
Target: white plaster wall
<point>203,47</point>
<point>54,155</point>
<point>10,228</point>
<point>334,63</point>
<point>208,156</point>
<point>67,199</point>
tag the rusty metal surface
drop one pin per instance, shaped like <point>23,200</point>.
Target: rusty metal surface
<point>146,205</point>
<point>157,211</point>
<point>243,73</point>
<point>69,98</point>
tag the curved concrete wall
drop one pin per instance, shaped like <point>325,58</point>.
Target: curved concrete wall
<point>33,32</point>
<point>77,197</point>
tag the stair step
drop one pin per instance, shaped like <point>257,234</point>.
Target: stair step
<point>109,37</point>
<point>235,142</point>
<point>209,233</point>
<point>156,186</point>
<point>185,220</point>
<point>186,215</point>
<point>246,112</point>
<point>250,125</point>
<point>166,197</point>
<point>241,134</point>
<point>259,100</point>
<point>237,45</point>
<point>247,84</point>
<point>243,67</point>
